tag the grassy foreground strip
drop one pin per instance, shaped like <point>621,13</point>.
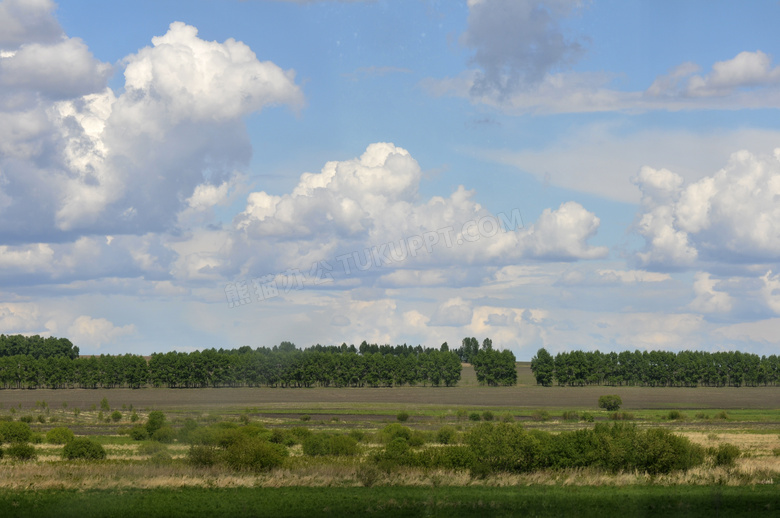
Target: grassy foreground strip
<point>401,501</point>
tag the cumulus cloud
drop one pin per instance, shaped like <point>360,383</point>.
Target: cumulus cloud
<point>76,158</point>
<point>453,312</point>
<point>27,21</point>
<point>708,300</point>
<point>731,216</point>
<point>96,332</point>
<point>365,213</point>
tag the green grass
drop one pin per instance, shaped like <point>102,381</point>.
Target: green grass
<point>400,501</point>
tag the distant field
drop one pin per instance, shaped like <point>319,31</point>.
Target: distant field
<point>467,394</point>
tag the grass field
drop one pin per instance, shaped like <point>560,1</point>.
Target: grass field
<point>129,482</point>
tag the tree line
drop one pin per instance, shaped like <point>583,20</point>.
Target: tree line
<point>656,369</point>
<point>279,366</point>
<point>492,367</point>
<point>37,346</point>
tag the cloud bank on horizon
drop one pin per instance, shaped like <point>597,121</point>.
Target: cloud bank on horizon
<point>489,168</point>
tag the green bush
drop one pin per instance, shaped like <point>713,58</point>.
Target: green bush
<point>541,415</point>
<point>166,434</point>
<point>725,454</point>
<point>393,431</point>
<point>14,431</point>
<point>504,447</point>
<point>358,435</point>
<point>138,433</point>
<point>83,448</point>
<point>41,418</point>
<point>587,417</point>
<point>254,454</point>
<point>202,455</point>
<point>487,415</point>
<point>570,415</point>
<point>610,403</point>
<point>461,414</point>
<point>342,445</point>
<point>161,458</point>
<point>446,435</point>
<point>316,445</point>
<point>722,415</point>
<point>417,438</point>
<point>154,422</point>
<point>116,416</point>
<point>402,416</point>
<point>21,451</point>
<point>59,435</point>
<point>675,415</point>
<point>133,417</point>
<point>104,405</point>
<point>474,416</point>
<point>446,457</point>
<point>305,417</point>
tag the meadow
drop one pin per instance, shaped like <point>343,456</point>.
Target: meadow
<point>136,478</point>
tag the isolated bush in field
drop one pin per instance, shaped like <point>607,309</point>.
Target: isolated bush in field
<point>150,448</point>
<point>134,417</point>
<point>14,431</point>
<point>446,435</point>
<point>41,418</point>
<point>541,415</point>
<point>461,414</point>
<point>116,416</point>
<point>675,415</point>
<point>358,435</point>
<point>701,415</point>
<point>301,432</point>
<point>725,454</point>
<point>587,417</point>
<point>570,415</point>
<point>202,455</point>
<point>138,433</point>
<point>487,415</point>
<point>504,447</point>
<point>343,445</point>
<point>393,431</point>
<point>59,435</point>
<point>21,451</point>
<point>417,438</point>
<point>104,405</point>
<point>508,418</point>
<point>722,415</point>
<point>367,474</point>
<point>244,418</point>
<point>316,445</point>
<point>660,451</point>
<point>166,434</point>
<point>254,454</point>
<point>26,419</point>
<point>154,422</point>
<point>305,417</point>
<point>402,416</point>
<point>474,416</point>
<point>83,448</point>
<point>610,403</point>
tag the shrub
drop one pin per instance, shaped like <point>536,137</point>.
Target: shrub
<point>508,418</point>
<point>116,416</point>
<point>393,431</point>
<point>722,415</point>
<point>658,450</point>
<point>26,419</point>
<point>675,415</point>
<point>587,417</point>
<point>446,435</point>
<point>610,403</point>
<point>358,435</point>
<point>41,418</point>
<point>36,438</point>
<point>725,454</point>
<point>202,455</point>
<point>417,438</point>
<point>402,416</point>
<point>104,405</point>
<point>254,454</point>
<point>14,431</point>
<point>59,435</point>
<point>154,422</point>
<point>305,417</point>
<point>367,474</point>
<point>316,445</point>
<point>343,445</point>
<point>461,414</point>
<point>504,447</point>
<point>541,415</point>
<point>21,451</point>
<point>138,433</point>
<point>702,415</point>
<point>474,416</point>
<point>133,417</point>
<point>83,448</point>
<point>300,432</point>
<point>244,418</point>
<point>487,415</point>
<point>570,415</point>
<point>166,434</point>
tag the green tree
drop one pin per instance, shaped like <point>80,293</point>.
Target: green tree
<point>543,367</point>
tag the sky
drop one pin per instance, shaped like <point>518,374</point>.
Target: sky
<point>594,175</point>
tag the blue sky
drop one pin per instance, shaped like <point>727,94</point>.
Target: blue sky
<point>183,175</point>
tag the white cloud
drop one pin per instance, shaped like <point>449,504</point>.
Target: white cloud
<point>731,216</point>
<point>22,317</point>
<point>25,21</point>
<point>453,312</point>
<point>751,332</point>
<point>708,300</point>
<point>96,332</point>
<point>562,234</point>
<point>632,276</point>
<point>771,291</point>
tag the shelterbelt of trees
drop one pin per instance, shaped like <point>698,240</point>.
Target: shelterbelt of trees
<point>656,369</point>
<point>370,365</point>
